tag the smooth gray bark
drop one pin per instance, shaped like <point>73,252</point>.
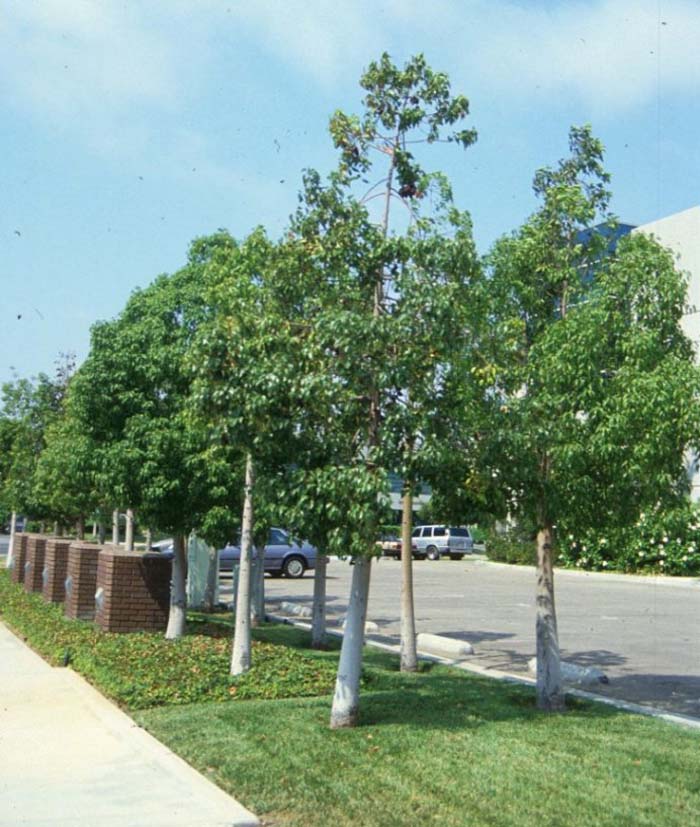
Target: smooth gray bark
<point>11,547</point>
<point>148,539</point>
<point>178,592</point>
<point>550,695</point>
<point>257,576</point>
<point>409,655</point>
<point>240,655</point>
<point>212,580</point>
<point>101,533</point>
<point>115,528</point>
<point>346,700</point>
<point>80,528</point>
<point>318,622</point>
<point>129,533</point>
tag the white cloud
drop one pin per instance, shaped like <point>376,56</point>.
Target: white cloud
<point>106,70</point>
<point>613,55</point>
<point>80,58</point>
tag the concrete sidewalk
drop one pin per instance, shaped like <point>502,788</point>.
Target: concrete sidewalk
<point>70,758</point>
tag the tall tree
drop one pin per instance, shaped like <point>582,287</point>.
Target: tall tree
<point>378,305</point>
<point>588,352</point>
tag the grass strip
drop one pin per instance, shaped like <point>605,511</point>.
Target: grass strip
<point>437,747</point>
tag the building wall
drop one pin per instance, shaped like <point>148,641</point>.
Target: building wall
<point>680,232</point>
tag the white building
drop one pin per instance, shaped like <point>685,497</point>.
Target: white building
<point>680,232</point>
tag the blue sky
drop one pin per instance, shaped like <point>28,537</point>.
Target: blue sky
<point>129,128</point>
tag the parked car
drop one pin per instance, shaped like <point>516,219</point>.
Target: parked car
<point>436,540</point>
<point>282,556</point>
<point>391,547</point>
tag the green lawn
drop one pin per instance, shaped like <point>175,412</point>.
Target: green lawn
<point>440,747</point>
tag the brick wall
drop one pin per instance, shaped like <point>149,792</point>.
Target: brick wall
<point>34,565</point>
<point>81,580</point>
<point>133,591</point>
<point>56,569</point>
<point>19,558</point>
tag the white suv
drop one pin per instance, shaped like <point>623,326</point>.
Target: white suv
<point>435,540</point>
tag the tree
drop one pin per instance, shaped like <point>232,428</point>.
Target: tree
<point>65,478</point>
<point>373,311</point>
<point>593,375</point>
<point>156,458</point>
<point>29,406</point>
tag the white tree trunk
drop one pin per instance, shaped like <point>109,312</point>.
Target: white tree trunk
<point>115,528</point>
<point>258,587</point>
<point>178,593</point>
<point>346,700</point>
<point>550,695</point>
<point>94,529</point>
<point>129,534</point>
<point>318,623</point>
<point>240,655</point>
<point>148,539</point>
<point>409,656</point>
<point>11,547</point>
<point>212,580</point>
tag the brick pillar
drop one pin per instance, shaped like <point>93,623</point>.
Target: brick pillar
<point>133,591</point>
<point>55,569</point>
<point>19,558</point>
<point>34,566</point>
<point>81,580</point>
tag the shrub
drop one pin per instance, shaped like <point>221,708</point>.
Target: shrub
<point>660,542</point>
<point>514,545</point>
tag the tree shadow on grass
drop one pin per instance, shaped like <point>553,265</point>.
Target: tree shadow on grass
<point>441,700</point>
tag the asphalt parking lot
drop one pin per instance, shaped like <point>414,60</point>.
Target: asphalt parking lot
<point>644,633</point>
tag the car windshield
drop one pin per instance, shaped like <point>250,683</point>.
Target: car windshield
<point>459,532</point>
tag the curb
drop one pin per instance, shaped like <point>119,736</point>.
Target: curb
<point>508,677</point>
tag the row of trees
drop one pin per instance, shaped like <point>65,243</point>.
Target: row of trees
<point>283,381</point>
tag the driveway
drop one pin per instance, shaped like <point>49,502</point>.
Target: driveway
<point>642,632</point>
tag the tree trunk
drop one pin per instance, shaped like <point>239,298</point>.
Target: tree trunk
<point>57,529</point>
<point>409,656</point>
<point>11,547</point>
<point>318,623</point>
<point>129,533</point>
<point>178,593</point>
<point>80,528</point>
<point>257,576</point>
<point>94,529</point>
<point>212,580</point>
<point>101,532</point>
<point>346,700</point>
<point>240,655</point>
<point>115,528</point>
<point>148,539</point>
<point>550,695</point>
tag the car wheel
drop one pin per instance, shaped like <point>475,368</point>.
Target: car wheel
<point>456,556</point>
<point>294,567</point>
<point>432,553</point>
